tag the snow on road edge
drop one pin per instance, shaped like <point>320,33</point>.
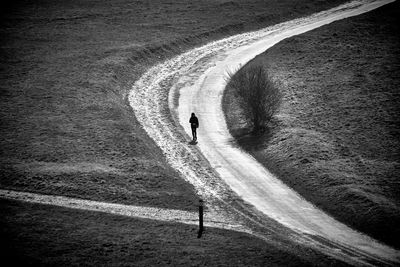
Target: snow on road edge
<point>156,95</point>
<point>152,213</point>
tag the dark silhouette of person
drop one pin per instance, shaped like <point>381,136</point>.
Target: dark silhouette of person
<point>194,124</point>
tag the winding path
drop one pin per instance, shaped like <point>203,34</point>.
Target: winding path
<point>194,82</point>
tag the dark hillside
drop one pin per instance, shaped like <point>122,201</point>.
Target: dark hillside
<point>336,138</point>
<point>65,70</point>
<point>42,235</point>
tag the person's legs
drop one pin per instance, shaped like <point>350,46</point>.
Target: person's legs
<point>194,133</point>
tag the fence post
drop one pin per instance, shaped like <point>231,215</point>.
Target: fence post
<point>200,219</point>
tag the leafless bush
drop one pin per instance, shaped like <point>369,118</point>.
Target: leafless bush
<point>258,95</point>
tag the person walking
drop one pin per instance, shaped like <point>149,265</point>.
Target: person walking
<point>194,124</point>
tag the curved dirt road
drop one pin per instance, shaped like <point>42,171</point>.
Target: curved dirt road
<point>194,82</point>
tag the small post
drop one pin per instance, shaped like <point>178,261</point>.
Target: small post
<point>200,219</point>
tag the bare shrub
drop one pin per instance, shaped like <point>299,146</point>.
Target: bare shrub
<point>258,95</point>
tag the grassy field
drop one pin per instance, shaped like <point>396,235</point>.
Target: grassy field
<point>65,70</point>
<point>40,235</point>
<point>67,129</point>
<point>336,137</point>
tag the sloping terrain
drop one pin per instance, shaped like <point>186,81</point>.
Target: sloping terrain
<point>335,138</point>
<point>197,80</point>
<point>66,68</point>
<point>67,128</point>
<point>42,235</point>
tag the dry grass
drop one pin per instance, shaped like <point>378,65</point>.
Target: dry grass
<point>67,128</point>
<point>40,235</point>
<point>336,138</point>
<point>66,68</point>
